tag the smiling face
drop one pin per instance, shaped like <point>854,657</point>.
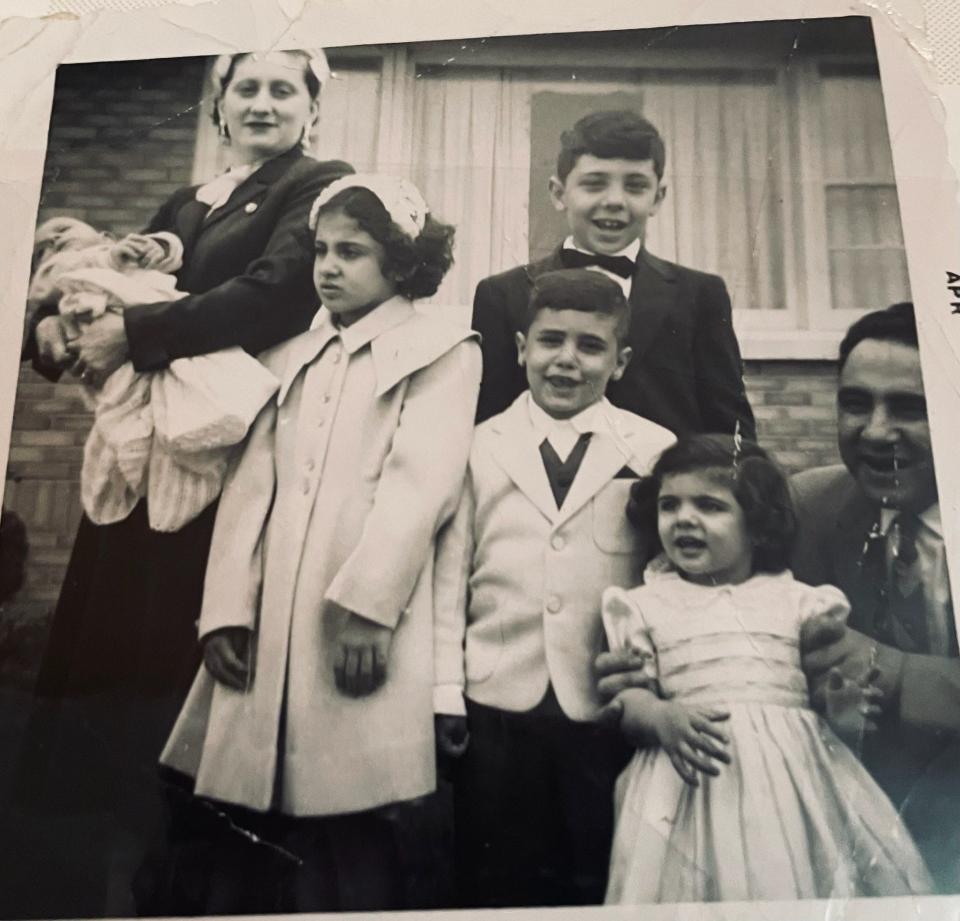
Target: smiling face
<point>266,107</point>
<point>607,201</point>
<point>702,529</point>
<point>882,425</point>
<point>570,356</point>
<point>347,271</point>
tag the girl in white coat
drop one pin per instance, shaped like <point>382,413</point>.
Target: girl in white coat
<point>313,711</point>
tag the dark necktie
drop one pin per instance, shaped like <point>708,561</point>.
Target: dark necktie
<point>889,586</point>
<point>561,473</point>
<point>619,265</point>
<point>905,596</point>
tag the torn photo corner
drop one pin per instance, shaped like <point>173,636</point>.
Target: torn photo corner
<point>810,164</point>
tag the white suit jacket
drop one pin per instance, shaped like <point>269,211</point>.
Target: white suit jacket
<point>518,582</point>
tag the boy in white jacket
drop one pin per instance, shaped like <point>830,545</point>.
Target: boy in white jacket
<point>540,532</point>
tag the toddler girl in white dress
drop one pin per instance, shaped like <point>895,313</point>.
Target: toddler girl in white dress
<point>744,791</point>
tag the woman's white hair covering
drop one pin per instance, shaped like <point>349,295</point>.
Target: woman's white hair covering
<point>316,61</point>
<point>400,197</point>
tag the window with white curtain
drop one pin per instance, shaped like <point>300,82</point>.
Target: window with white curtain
<point>780,178</point>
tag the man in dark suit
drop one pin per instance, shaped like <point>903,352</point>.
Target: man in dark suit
<point>686,372</point>
<point>872,528</point>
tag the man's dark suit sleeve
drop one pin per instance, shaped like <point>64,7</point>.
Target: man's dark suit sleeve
<point>256,309</point>
<point>719,368</point>
<point>502,380</point>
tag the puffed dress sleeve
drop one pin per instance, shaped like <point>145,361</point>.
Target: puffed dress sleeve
<point>626,627</point>
<point>822,600</point>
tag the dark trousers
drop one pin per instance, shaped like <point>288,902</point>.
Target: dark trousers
<point>219,859</point>
<point>534,807</point>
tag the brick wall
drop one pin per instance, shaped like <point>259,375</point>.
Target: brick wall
<point>794,404</point>
<point>121,140</point>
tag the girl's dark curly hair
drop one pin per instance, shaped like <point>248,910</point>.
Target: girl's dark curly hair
<point>417,265</point>
<point>755,480</point>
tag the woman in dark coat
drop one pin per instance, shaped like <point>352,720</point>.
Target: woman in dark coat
<point>123,649</point>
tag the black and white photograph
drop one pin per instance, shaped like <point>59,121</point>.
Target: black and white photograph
<point>479,472</point>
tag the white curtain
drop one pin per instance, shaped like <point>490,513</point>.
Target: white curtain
<point>722,212</point>
<point>867,260</point>
<point>471,158</point>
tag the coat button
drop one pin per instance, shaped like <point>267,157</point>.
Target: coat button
<point>306,486</point>
<point>250,207</point>
<point>553,604</point>
<point>558,542</point>
<point>310,465</point>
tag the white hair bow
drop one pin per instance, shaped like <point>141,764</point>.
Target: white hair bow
<point>401,198</point>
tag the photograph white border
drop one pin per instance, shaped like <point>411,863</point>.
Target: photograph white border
<point>31,49</point>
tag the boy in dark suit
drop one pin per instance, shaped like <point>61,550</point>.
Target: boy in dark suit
<point>686,372</point>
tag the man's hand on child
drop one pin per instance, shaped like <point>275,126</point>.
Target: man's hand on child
<point>364,647</point>
<point>451,733</point>
<point>853,706</point>
<point>226,655</point>
<point>691,738</point>
<point>618,671</point>
<point>827,645</point>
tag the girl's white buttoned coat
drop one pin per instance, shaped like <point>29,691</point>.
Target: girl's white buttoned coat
<point>345,480</point>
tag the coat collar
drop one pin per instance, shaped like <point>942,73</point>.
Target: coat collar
<point>517,452</point>
<point>401,340</point>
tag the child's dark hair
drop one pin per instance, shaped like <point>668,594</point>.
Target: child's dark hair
<point>611,135</point>
<point>417,265</point>
<point>579,289</point>
<point>755,480</point>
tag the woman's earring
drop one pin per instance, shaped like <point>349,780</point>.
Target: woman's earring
<point>305,144</point>
<point>223,132</point>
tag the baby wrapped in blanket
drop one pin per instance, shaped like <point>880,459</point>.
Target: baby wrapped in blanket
<point>166,436</point>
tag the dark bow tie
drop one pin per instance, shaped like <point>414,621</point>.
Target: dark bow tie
<point>619,265</point>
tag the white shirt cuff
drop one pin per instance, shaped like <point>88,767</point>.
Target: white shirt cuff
<point>448,699</point>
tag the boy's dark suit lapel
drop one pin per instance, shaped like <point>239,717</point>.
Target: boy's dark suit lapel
<point>655,290</point>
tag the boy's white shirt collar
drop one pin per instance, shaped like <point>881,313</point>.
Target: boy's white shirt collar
<point>563,434</point>
<point>632,252</point>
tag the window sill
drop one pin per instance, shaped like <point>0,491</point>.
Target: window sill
<point>789,345</point>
